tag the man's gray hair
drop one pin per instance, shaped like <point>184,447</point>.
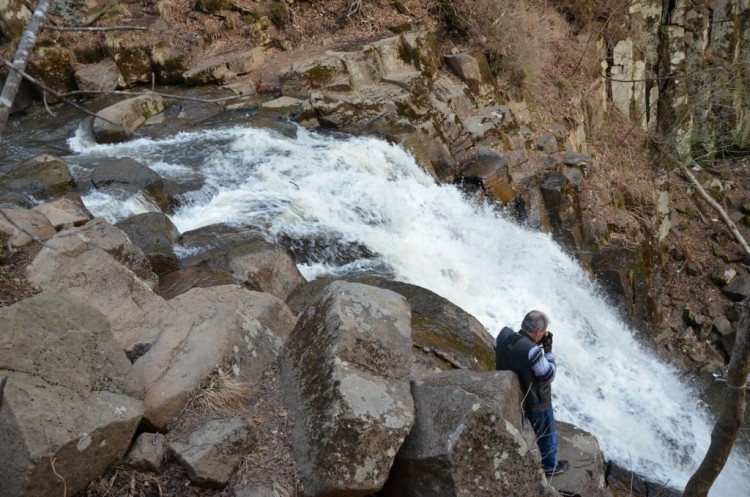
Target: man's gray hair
<point>535,320</point>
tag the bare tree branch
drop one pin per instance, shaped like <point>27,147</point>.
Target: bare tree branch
<point>20,60</point>
<point>66,100</point>
<point>730,224</point>
<point>732,413</point>
<point>94,28</point>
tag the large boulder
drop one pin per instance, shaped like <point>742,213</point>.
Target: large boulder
<point>14,15</point>
<point>66,410</point>
<point>98,264</point>
<point>54,67</point>
<point>586,476</point>
<point>43,177</point>
<point>117,122</point>
<point>211,328</point>
<point>345,371</point>
<point>102,76</point>
<point>254,262</point>
<point>490,170</point>
<point>66,212</point>
<point>204,275</point>
<point>131,176</point>
<point>156,235</point>
<point>81,13</point>
<point>467,440</point>
<point>223,68</point>
<point>445,336</point>
<point>21,226</point>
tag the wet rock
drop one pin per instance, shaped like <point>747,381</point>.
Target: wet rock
<point>199,276</point>
<point>131,176</point>
<point>490,169</point>
<point>155,234</point>
<point>124,117</point>
<point>213,453</point>
<point>43,177</point>
<point>148,453</point>
<point>345,375</point>
<point>258,264</point>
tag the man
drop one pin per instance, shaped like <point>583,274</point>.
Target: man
<point>528,353</point>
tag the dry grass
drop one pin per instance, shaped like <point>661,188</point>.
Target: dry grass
<point>167,10</point>
<point>223,395</point>
<point>516,36</point>
<point>124,481</point>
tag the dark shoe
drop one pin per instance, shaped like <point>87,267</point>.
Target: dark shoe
<point>561,467</point>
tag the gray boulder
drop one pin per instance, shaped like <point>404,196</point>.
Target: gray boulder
<point>117,122</point>
<point>738,289</point>
<point>21,226</point>
<point>345,371</point>
<point>131,176</point>
<point>467,440</point>
<point>43,177</point>
<point>444,335</point>
<point>99,265</point>
<point>474,69</point>
<point>102,76</point>
<point>214,452</point>
<point>199,276</point>
<point>223,68</point>
<point>66,212</point>
<point>66,401</point>
<point>156,235</point>
<point>254,262</point>
<point>210,328</point>
<point>148,452</point>
<point>14,14</point>
<point>586,476</point>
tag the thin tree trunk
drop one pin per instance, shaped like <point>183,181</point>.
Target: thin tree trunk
<point>729,423</point>
<point>28,40</point>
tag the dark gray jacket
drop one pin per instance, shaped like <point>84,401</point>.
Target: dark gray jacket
<point>518,353</point>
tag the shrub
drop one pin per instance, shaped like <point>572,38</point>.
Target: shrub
<point>515,36</point>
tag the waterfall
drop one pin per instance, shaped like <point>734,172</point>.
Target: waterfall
<point>367,191</point>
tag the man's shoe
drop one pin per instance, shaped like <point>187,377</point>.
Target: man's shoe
<point>561,467</point>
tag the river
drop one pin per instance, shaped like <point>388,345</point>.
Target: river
<point>369,192</point>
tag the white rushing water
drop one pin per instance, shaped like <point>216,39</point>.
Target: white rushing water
<point>365,190</point>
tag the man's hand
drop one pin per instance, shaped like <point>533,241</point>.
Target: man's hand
<point>546,342</point>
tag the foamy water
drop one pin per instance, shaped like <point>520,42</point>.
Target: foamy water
<point>367,191</point>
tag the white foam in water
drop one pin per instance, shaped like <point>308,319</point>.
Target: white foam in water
<point>368,191</point>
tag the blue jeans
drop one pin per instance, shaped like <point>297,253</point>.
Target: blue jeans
<point>546,438</point>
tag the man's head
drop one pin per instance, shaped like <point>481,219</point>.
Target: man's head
<point>535,325</point>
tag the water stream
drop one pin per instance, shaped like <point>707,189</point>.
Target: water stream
<point>367,191</point>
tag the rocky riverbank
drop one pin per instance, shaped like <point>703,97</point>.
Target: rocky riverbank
<point>154,312</point>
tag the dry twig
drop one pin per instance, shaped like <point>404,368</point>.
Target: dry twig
<point>730,224</point>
